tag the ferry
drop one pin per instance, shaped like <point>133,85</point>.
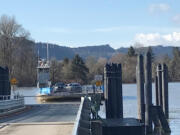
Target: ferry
<point>43,77</point>
<point>46,91</point>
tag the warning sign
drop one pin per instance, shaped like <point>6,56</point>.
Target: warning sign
<point>98,83</point>
<point>14,81</point>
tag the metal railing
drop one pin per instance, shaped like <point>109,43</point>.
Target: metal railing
<point>8,103</point>
<point>82,125</point>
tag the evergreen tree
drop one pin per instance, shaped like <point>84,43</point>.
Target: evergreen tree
<point>66,61</point>
<point>78,69</point>
<point>131,52</point>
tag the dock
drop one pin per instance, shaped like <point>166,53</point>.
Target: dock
<point>150,116</point>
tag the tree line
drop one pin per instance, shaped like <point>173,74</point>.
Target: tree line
<point>17,52</point>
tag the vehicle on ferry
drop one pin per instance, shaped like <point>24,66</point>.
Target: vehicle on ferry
<point>59,87</point>
<point>74,87</point>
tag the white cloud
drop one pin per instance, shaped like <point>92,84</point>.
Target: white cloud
<point>157,8</point>
<point>176,18</point>
<point>158,39</point>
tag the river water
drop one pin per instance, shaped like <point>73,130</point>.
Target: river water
<point>129,102</point>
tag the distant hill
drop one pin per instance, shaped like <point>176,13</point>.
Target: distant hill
<point>61,52</point>
<point>55,51</point>
<point>158,50</point>
<point>96,51</point>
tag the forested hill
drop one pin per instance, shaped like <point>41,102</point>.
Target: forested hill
<point>55,51</point>
<point>158,50</point>
<point>96,51</point>
<point>61,52</point>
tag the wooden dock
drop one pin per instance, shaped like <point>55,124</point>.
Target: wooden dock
<point>150,116</point>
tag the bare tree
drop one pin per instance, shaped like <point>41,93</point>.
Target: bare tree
<point>11,34</point>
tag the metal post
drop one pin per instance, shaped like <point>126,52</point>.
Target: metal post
<point>165,90</point>
<point>140,88</point>
<point>148,93</point>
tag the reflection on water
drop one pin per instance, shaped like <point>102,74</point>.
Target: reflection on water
<point>29,94</point>
<point>130,103</point>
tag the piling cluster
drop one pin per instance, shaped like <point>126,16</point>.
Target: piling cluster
<point>113,87</point>
<point>5,88</point>
<point>148,113</point>
<point>150,116</point>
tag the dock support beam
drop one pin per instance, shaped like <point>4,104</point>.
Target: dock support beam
<point>140,88</point>
<point>148,93</point>
<point>113,91</point>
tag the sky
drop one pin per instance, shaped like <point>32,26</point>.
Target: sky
<point>120,23</point>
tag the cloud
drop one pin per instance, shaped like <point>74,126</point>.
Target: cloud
<point>157,8</point>
<point>176,18</point>
<point>158,39</point>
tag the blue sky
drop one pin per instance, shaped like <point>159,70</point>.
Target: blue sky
<point>93,22</point>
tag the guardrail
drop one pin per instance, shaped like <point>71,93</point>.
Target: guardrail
<point>83,119</point>
<point>9,103</point>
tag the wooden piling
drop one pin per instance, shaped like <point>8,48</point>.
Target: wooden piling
<point>148,93</point>
<point>156,91</point>
<point>113,91</point>
<point>165,90</point>
<point>140,88</point>
<point>159,75</point>
<point>119,92</point>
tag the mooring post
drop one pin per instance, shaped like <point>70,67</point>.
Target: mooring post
<point>119,92</point>
<point>159,75</point>
<point>148,93</point>
<point>165,90</point>
<point>113,91</point>
<point>107,89</point>
<point>140,88</point>
<point>156,91</point>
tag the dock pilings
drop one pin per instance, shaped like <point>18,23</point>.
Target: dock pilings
<point>150,116</point>
<point>113,93</point>
<point>162,98</point>
<point>154,114</point>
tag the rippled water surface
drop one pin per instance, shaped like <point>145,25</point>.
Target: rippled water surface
<point>130,102</point>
